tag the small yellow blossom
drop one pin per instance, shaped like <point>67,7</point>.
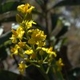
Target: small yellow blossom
<point>30,31</point>
<point>31,41</point>
<point>13,38</point>
<point>17,34</point>
<point>59,64</point>
<point>25,8</point>
<point>37,37</point>
<point>22,44</point>
<point>14,32</point>
<point>14,50</point>
<point>28,52</point>
<point>22,67</point>
<point>40,43</point>
<point>28,24</point>
<point>20,32</point>
<point>49,51</point>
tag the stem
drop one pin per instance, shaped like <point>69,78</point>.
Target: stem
<point>47,26</point>
<point>46,23</point>
<point>57,73</point>
<point>42,71</point>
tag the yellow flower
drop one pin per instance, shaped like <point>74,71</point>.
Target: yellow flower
<point>13,38</point>
<point>28,24</point>
<point>49,51</point>
<point>37,37</point>
<point>59,64</point>
<point>17,34</point>
<point>28,52</point>
<point>22,44</point>
<point>14,50</point>
<point>31,41</point>
<point>22,67</point>
<point>20,32</point>
<point>25,8</point>
<point>40,43</point>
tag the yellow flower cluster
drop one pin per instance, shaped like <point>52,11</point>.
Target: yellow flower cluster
<point>28,23</point>
<point>29,42</point>
<point>25,8</point>
<point>37,37</point>
<point>18,34</point>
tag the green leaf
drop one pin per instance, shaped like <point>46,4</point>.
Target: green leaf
<point>5,37</point>
<point>3,53</point>
<point>40,2</point>
<point>8,6</point>
<point>54,20</point>
<point>7,75</point>
<point>67,3</point>
<point>62,31</point>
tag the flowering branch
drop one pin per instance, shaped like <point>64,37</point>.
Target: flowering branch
<point>30,44</point>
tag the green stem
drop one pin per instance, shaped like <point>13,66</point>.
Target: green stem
<point>47,27</point>
<point>42,71</point>
<point>57,73</point>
